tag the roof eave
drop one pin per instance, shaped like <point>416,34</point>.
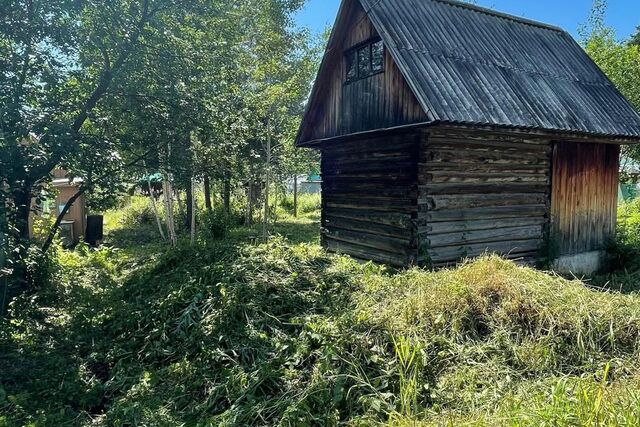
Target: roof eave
<point>551,134</point>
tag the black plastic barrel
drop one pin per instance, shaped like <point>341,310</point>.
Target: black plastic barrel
<point>94,229</point>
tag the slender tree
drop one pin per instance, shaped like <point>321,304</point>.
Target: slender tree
<point>620,61</point>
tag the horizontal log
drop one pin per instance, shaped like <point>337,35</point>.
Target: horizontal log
<point>465,156</point>
<point>438,143</point>
<point>373,241</point>
<point>365,189</point>
<point>398,220</point>
<point>364,200</point>
<point>488,178</point>
<point>507,168</point>
<point>368,164</point>
<point>485,236</point>
<point>406,195</point>
<point>370,205</point>
<point>372,182</point>
<point>468,201</point>
<point>474,135</point>
<point>536,210</point>
<point>435,228</point>
<point>452,253</point>
<point>333,222</point>
<point>514,187</point>
<point>378,145</point>
<point>370,170</point>
<point>365,253</point>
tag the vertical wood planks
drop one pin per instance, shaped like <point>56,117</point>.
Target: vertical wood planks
<point>584,196</point>
<point>380,101</point>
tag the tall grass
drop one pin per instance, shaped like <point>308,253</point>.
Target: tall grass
<point>225,332</point>
<point>307,203</point>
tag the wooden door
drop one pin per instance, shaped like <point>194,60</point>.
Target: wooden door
<point>584,196</point>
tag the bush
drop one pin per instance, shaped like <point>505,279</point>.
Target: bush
<point>138,213</point>
<point>623,272</point>
<point>217,223</point>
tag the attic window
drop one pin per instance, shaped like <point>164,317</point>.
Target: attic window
<point>365,60</point>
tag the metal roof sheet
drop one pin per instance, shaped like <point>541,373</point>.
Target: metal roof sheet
<point>471,65</point>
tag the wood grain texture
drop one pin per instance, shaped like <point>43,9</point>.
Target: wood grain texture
<point>380,101</point>
<point>369,196</point>
<point>584,197</point>
<point>480,192</point>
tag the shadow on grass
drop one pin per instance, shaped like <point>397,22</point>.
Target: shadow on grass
<point>57,359</point>
<point>304,229</point>
<point>140,350</point>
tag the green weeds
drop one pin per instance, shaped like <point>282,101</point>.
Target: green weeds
<point>228,333</point>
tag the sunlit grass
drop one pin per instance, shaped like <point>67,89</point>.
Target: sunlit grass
<point>232,331</point>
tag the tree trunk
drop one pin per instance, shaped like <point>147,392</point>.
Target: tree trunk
<point>4,283</point>
<point>153,203</point>
<point>168,204</point>
<point>189,205</point>
<point>193,211</point>
<point>295,196</point>
<point>152,194</point>
<point>22,200</point>
<point>226,192</point>
<point>207,193</point>
<point>168,201</point>
<point>265,221</point>
<point>248,216</point>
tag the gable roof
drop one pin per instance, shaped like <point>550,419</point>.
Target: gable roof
<point>474,66</point>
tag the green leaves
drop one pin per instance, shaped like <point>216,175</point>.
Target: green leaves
<point>619,60</point>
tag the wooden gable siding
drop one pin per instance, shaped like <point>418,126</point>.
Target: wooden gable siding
<point>479,192</point>
<point>584,197</point>
<point>380,101</point>
<point>369,193</point>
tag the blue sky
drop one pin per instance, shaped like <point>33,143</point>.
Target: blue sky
<point>623,15</point>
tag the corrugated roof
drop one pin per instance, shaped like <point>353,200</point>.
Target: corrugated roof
<point>471,65</point>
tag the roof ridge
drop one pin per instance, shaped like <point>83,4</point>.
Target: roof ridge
<point>515,18</point>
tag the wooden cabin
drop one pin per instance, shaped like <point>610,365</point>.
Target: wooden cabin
<point>448,130</point>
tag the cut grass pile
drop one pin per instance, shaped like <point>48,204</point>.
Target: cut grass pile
<point>283,334</point>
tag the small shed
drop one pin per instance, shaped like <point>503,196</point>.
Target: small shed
<point>74,223</point>
<point>448,130</point>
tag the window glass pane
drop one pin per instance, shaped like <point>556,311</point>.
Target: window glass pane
<point>364,62</point>
<point>351,66</point>
<point>377,56</point>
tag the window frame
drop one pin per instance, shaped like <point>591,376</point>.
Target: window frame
<point>355,52</point>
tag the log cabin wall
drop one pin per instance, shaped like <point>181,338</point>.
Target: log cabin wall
<point>584,197</point>
<point>481,191</point>
<point>369,196</point>
<point>380,101</point>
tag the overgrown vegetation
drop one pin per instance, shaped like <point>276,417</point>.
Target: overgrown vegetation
<point>233,331</point>
<point>225,332</point>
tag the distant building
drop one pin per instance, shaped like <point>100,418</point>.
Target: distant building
<point>75,221</point>
<point>630,189</point>
<point>307,184</point>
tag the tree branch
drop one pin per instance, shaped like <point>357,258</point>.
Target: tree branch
<point>84,187</point>
<point>106,78</point>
